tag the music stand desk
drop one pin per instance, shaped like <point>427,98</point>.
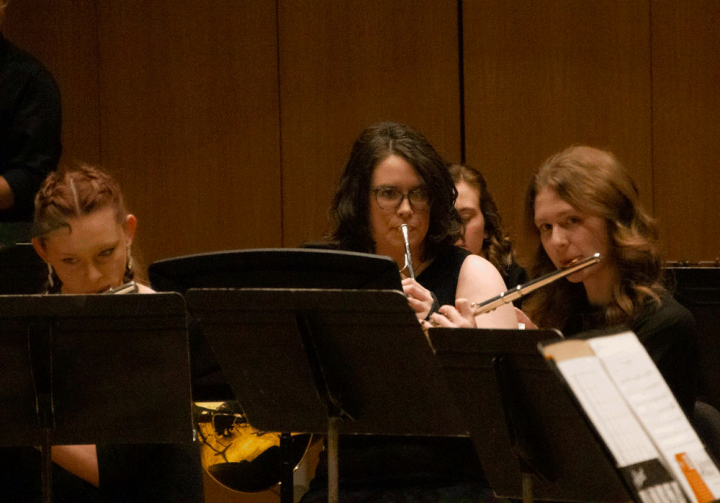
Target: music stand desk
<point>522,419</point>
<point>327,361</point>
<point>94,369</point>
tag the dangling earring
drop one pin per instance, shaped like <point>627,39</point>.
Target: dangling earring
<point>51,273</point>
<point>129,273</point>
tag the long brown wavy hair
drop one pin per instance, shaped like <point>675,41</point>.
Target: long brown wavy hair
<point>497,246</point>
<point>594,182</point>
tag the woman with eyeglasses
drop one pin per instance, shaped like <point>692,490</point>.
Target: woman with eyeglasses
<point>394,177</point>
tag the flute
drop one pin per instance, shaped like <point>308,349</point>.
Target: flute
<point>129,287</point>
<point>408,256</point>
<point>520,290</point>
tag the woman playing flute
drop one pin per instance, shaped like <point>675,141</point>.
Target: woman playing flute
<point>394,177</point>
<point>582,201</point>
<point>84,235</point>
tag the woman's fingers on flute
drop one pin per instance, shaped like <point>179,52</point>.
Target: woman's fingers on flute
<point>419,298</point>
<point>449,316</point>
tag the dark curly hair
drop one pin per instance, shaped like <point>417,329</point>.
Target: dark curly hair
<point>497,246</point>
<point>350,212</point>
<point>594,182</point>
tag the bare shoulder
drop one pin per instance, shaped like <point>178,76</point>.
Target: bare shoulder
<point>476,268</point>
<point>479,281</point>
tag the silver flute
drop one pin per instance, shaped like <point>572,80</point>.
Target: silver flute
<point>408,257</point>
<point>520,290</point>
<point>129,287</point>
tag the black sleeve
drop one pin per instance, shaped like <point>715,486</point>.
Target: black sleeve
<point>33,141</point>
<point>159,473</point>
<point>670,338</point>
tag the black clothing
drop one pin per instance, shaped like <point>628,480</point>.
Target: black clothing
<point>669,335</point>
<point>513,276</point>
<point>29,127</point>
<point>441,276</point>
<point>128,473</point>
<point>397,468</point>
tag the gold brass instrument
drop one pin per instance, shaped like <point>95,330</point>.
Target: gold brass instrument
<point>520,290</point>
<point>408,256</point>
<point>238,456</point>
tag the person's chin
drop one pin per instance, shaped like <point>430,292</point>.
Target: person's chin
<point>577,277</point>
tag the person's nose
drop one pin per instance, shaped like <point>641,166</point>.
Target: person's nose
<point>559,237</point>
<point>93,273</point>
<point>405,209</point>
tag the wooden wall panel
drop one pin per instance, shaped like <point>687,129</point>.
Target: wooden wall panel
<point>189,107</point>
<point>686,139</point>
<point>346,64</point>
<point>541,76</point>
<point>62,34</point>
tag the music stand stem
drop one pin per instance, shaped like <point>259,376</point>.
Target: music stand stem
<point>46,456</point>
<point>287,468</point>
<point>527,486</point>
<point>333,439</point>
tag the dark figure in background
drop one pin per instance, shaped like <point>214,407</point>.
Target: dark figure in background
<point>484,233</point>
<point>29,129</point>
<point>395,176</point>
<point>582,201</point>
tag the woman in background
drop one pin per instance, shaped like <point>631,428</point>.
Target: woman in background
<point>84,234</point>
<point>582,201</point>
<point>484,234</point>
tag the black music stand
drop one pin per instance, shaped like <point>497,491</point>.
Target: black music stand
<point>93,369</point>
<point>531,438</point>
<point>698,289</point>
<point>265,268</point>
<point>22,271</point>
<point>276,268</point>
<point>327,361</point>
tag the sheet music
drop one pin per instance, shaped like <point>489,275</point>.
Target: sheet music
<point>648,395</point>
<point>634,452</point>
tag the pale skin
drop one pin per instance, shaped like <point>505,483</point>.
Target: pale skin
<point>568,234</point>
<point>468,205</point>
<point>89,255</point>
<point>478,279</point>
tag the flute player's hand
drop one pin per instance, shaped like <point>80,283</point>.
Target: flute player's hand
<point>460,316</point>
<point>419,298</point>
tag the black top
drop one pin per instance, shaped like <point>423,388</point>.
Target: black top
<point>669,335</point>
<point>380,461</point>
<point>128,474</point>
<point>513,276</point>
<point>29,127</point>
<point>441,276</point>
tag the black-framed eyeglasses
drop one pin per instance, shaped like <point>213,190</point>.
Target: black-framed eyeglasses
<point>390,198</point>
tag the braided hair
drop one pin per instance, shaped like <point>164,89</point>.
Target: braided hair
<point>72,192</point>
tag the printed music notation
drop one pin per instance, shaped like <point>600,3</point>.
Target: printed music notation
<point>636,415</point>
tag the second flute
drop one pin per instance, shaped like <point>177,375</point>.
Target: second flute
<point>520,290</point>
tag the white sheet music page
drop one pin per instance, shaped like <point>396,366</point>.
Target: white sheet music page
<point>635,455</point>
<point>611,416</point>
<point>648,395</point>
